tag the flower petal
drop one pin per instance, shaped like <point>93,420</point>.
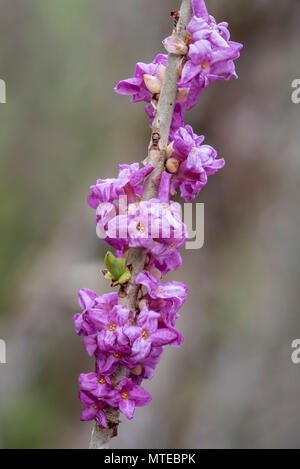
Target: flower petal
<point>127,406</point>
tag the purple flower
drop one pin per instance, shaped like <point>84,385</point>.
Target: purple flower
<point>211,54</point>
<point>93,307</point>
<point>207,65</point>
<point>195,162</point>
<point>118,337</point>
<point>164,187</point>
<point>90,343</point>
<point>204,26</point>
<point>148,222</point>
<point>165,258</point>
<point>127,183</point>
<point>199,8</point>
<point>128,396</point>
<point>97,385</point>
<point>149,335</point>
<point>146,84</point>
<point>166,298</point>
<point>108,218</point>
<point>111,337</point>
<point>161,222</point>
<point>93,408</point>
<point>216,34</point>
<point>151,362</point>
<point>105,213</point>
<point>145,370</point>
<point>106,364</point>
<point>86,299</point>
<point>82,327</point>
<point>140,87</point>
<point>165,290</point>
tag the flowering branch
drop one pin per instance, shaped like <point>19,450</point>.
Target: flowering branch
<point>158,145</point>
<point>156,157</point>
<point>127,331</point>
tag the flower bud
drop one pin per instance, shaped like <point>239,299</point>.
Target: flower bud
<point>153,84</point>
<point>137,371</point>
<point>161,72</point>
<point>174,45</point>
<point>172,165</point>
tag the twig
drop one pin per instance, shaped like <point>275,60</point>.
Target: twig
<point>156,157</point>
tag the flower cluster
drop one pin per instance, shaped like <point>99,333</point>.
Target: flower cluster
<point>116,338</point>
<point>191,162</point>
<point>209,54</point>
<point>133,340</point>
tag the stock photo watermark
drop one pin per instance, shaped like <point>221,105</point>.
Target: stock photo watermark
<point>295,356</point>
<point>2,352</point>
<point>138,224</point>
<point>2,92</point>
<point>295,96</point>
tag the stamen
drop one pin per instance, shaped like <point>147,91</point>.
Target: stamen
<point>112,327</point>
<point>140,227</point>
<point>144,334</point>
<point>124,395</point>
<point>204,65</point>
<point>101,381</point>
<point>159,290</point>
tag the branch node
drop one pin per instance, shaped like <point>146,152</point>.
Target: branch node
<point>155,140</point>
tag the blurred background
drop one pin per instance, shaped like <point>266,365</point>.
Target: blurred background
<point>232,384</point>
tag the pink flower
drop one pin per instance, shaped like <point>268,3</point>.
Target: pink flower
<point>128,396</point>
<point>148,335</point>
<point>135,339</point>
<point>195,162</point>
<point>211,54</point>
<point>97,385</point>
<point>148,222</point>
<point>93,408</point>
<point>165,298</point>
<point>127,183</point>
<point>138,87</point>
<point>165,257</point>
<point>146,368</point>
<point>106,364</point>
<point>111,337</point>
